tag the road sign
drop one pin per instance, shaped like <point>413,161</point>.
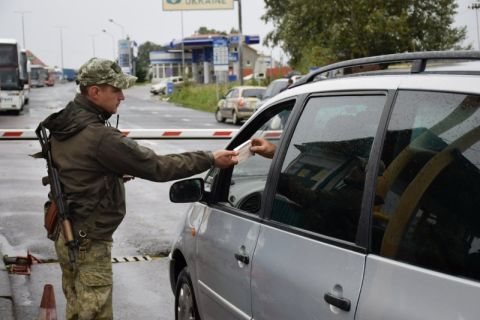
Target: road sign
<point>169,87</point>
<point>177,5</point>
<point>220,54</point>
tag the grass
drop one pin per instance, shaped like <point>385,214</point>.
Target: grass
<point>199,97</point>
<point>203,97</point>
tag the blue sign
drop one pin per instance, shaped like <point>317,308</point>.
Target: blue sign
<point>169,87</point>
<point>233,56</point>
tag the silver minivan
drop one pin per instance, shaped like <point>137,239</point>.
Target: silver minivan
<point>368,210</point>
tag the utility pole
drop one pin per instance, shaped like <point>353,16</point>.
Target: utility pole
<point>240,42</point>
<point>476,6</point>
<point>23,25</point>
<point>183,48</point>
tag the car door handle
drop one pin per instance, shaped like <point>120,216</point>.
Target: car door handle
<point>242,258</point>
<point>338,302</point>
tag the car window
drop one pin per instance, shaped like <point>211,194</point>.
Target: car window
<point>321,183</point>
<point>234,93</point>
<point>275,87</point>
<point>252,93</point>
<point>249,177</point>
<point>427,211</point>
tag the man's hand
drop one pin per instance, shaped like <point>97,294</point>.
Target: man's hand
<point>225,158</point>
<point>263,147</point>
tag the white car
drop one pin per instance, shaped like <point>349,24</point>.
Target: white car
<point>367,207</point>
<point>161,87</point>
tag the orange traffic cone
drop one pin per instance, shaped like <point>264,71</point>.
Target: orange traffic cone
<point>48,308</point>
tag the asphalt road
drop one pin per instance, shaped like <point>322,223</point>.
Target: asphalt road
<point>141,289</point>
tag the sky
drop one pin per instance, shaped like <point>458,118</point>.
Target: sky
<point>81,23</point>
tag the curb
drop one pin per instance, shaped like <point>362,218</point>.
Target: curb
<point>6,297</point>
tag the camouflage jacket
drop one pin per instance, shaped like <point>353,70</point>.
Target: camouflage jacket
<point>92,159</point>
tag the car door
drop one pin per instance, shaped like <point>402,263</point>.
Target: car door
<point>308,263</point>
<point>231,102</point>
<point>425,261</point>
<point>228,234</point>
<point>224,107</point>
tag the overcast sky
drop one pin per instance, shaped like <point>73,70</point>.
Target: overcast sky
<point>82,20</point>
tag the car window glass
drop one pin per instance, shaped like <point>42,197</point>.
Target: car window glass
<point>235,93</point>
<point>252,93</point>
<point>229,94</point>
<point>322,179</point>
<point>275,87</point>
<point>429,184</point>
<point>249,177</point>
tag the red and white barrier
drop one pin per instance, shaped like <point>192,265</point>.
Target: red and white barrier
<point>138,134</point>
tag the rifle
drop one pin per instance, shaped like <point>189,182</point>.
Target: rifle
<point>57,194</point>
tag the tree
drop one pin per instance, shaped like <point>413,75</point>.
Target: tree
<point>319,32</point>
<point>205,30</point>
<point>143,59</point>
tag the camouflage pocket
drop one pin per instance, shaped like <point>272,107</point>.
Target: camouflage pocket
<point>95,279</point>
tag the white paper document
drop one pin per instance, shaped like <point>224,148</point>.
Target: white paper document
<point>244,151</point>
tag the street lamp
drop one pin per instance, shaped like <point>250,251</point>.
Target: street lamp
<point>61,44</point>
<point>93,43</point>
<point>118,24</point>
<point>476,6</point>
<point>113,42</point>
<point>23,25</point>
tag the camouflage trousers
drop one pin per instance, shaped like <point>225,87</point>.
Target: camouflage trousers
<point>87,285</point>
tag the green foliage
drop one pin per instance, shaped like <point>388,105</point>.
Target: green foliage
<point>316,32</point>
<point>199,97</point>
<point>143,59</point>
<point>205,30</point>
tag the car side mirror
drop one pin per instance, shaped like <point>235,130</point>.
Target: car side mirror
<point>190,190</point>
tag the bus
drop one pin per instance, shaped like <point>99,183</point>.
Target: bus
<point>13,76</point>
<point>38,75</point>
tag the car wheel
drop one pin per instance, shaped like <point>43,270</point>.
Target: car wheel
<point>218,116</point>
<point>185,304</point>
<point>235,119</point>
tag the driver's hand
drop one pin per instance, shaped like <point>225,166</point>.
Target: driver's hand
<point>263,147</point>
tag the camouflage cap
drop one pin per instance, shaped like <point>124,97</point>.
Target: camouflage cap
<point>102,71</point>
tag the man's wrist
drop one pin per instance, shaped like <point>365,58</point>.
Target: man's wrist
<point>211,157</point>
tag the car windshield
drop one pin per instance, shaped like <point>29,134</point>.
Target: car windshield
<point>252,93</point>
<point>274,88</point>
<point>9,79</point>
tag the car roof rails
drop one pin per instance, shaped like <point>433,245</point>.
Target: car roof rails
<point>418,60</point>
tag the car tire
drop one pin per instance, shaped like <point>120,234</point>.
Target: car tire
<point>185,304</point>
<point>235,119</point>
<point>218,116</point>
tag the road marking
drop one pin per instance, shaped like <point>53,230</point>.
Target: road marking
<point>132,259</point>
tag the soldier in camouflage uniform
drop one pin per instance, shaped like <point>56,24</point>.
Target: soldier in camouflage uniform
<point>92,158</point>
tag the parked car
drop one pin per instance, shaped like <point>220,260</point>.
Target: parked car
<point>369,208</point>
<point>274,88</point>
<point>161,87</point>
<point>238,104</point>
